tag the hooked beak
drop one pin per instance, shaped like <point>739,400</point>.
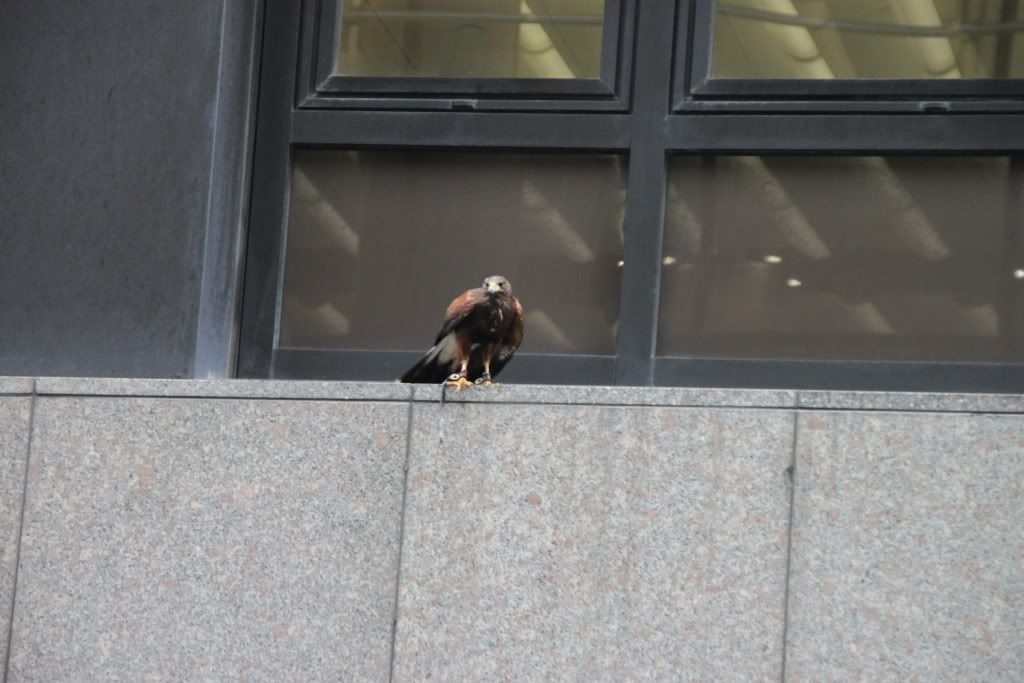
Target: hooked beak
<point>493,288</point>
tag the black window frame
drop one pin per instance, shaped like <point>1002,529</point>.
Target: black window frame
<point>651,128</point>
<point>696,89</point>
<point>320,87</point>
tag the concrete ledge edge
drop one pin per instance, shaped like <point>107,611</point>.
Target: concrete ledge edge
<point>224,388</point>
<point>613,395</point>
<point>912,402</point>
<point>516,393</point>
<point>16,386</point>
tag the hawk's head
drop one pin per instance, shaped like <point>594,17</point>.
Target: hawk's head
<point>496,285</point>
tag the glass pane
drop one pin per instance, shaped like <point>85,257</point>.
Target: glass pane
<point>380,242</point>
<point>899,258</point>
<point>471,38</point>
<point>822,39</point>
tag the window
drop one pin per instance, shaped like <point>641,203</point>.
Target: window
<point>466,54</point>
<point>682,203</point>
<point>811,39</point>
<point>478,39</point>
<point>379,242</point>
<point>901,55</point>
<point>844,258</point>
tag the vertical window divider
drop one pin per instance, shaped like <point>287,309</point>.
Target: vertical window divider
<point>646,188</point>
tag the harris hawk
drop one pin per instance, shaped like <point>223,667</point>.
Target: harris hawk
<point>482,329</point>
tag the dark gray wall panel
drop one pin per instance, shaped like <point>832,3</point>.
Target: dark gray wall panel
<point>105,131</point>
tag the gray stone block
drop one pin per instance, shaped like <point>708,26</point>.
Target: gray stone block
<point>14,426</point>
<point>15,385</point>
<point>224,388</point>
<point>907,548</point>
<point>181,539</point>
<point>606,395</point>
<point>910,401</point>
<point>594,543</point>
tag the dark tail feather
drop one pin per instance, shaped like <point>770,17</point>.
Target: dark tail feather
<point>436,365</point>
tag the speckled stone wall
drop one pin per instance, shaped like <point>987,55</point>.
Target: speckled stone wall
<point>908,548</point>
<point>226,530</point>
<point>15,418</point>
<point>605,542</point>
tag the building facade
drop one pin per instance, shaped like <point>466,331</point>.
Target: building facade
<point>775,246</point>
<point>769,194</point>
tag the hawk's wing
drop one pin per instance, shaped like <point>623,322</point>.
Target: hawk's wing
<point>441,360</point>
<point>460,307</point>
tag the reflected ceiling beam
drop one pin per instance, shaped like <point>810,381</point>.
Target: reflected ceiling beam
<point>796,41</point>
<point>925,313</point>
<point>869,318</point>
<point>916,231</point>
<point>324,319</point>
<point>937,52</point>
<point>795,227</point>
<point>326,219</point>
<point>540,323</point>
<point>686,225</point>
<point>733,9</point>
<point>554,225</point>
<point>538,50</point>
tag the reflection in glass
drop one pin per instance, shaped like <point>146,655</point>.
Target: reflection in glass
<point>471,38</point>
<point>898,258</point>
<point>379,243</point>
<point>824,39</point>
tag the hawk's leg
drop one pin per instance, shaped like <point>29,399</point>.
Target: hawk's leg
<point>486,377</point>
<point>458,380</point>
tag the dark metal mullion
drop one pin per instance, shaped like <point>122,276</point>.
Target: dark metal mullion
<point>464,88</point>
<point>612,45</point>
<point>309,50</point>
<point>530,103</point>
<point>838,133</point>
<point>460,129</point>
<point>327,37</point>
<point>693,50</point>
<point>918,106</point>
<point>906,88</point>
<point>217,327</point>
<point>270,188</point>
<point>644,219</point>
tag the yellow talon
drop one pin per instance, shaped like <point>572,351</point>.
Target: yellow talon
<point>459,382</point>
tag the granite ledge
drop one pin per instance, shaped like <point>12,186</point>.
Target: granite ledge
<point>16,386</point>
<point>613,395</point>
<point>394,391</point>
<point>912,402</point>
<point>224,388</point>
<point>518,393</point>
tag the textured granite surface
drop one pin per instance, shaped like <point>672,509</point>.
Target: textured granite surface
<point>908,548</point>
<point>14,427</point>
<point>224,388</point>
<point>16,385</point>
<point>594,543</point>
<point>879,400</point>
<point>605,395</point>
<point>179,539</point>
